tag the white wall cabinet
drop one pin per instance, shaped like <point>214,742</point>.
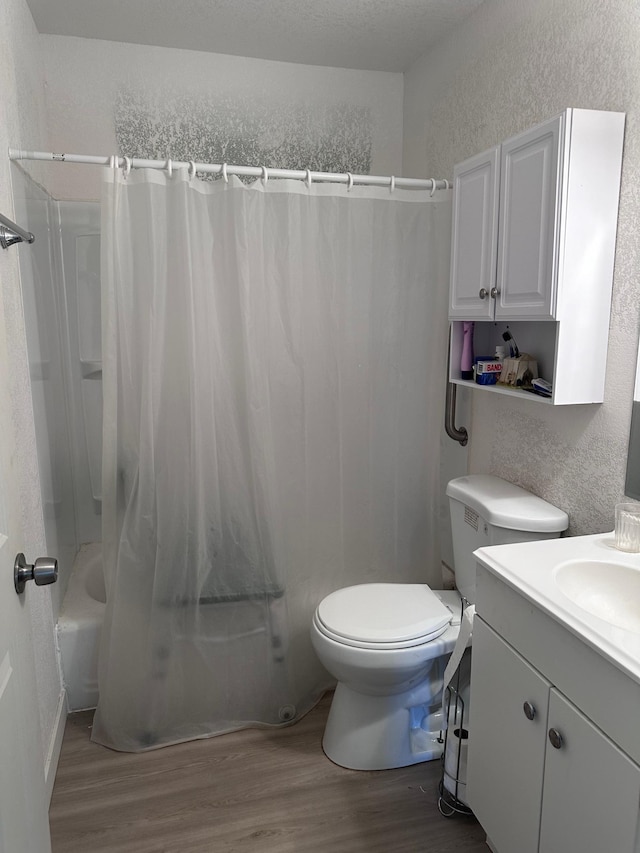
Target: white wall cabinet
<point>474,236</point>
<point>533,242</point>
<point>577,794</point>
<point>530,218</point>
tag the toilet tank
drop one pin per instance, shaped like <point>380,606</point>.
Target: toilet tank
<point>486,510</point>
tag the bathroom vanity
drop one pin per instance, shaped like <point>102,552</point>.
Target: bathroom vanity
<point>554,749</point>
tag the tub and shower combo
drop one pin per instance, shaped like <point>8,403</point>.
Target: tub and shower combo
<point>263,476</point>
<point>79,627</point>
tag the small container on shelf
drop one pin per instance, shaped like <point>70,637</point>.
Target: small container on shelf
<point>519,372</point>
<point>488,371</point>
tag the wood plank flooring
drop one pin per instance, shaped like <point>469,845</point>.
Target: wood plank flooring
<point>256,790</point>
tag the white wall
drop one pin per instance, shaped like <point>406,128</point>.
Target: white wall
<point>511,64</point>
<point>107,97</point>
<point>23,123</point>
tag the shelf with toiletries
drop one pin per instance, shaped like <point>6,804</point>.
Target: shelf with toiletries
<point>533,244</point>
<point>535,339</point>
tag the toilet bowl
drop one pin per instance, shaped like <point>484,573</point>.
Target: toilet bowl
<point>387,644</point>
<point>387,708</point>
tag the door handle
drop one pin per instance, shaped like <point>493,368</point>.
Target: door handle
<point>43,571</point>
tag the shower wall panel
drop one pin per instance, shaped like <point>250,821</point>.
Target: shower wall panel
<point>45,324</point>
<point>80,245</point>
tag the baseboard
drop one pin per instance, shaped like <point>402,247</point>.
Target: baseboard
<point>55,744</point>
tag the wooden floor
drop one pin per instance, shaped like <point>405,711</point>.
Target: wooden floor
<point>267,791</point>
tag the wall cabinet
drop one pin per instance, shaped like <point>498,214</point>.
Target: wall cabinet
<point>533,241</point>
<point>474,236</point>
<point>541,776</point>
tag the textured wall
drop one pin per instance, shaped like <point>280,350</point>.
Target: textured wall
<point>22,111</point>
<point>512,64</point>
<point>108,97</point>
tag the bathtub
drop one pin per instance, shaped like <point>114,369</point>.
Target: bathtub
<point>79,627</point>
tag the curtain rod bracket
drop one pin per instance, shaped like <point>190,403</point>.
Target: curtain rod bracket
<point>11,233</point>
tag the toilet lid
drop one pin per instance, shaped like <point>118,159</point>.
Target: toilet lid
<point>384,613</point>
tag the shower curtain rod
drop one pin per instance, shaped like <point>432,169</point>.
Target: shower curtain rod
<point>225,169</point>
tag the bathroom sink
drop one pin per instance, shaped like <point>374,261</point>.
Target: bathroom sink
<point>610,591</point>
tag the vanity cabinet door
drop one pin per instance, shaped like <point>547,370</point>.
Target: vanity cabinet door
<point>591,788</point>
<point>506,748</point>
<point>474,237</point>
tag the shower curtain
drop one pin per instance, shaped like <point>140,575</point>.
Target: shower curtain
<point>273,393</point>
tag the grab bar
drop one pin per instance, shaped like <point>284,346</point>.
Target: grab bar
<point>456,433</point>
<point>11,233</point>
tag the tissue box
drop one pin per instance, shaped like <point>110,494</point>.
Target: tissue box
<point>519,372</point>
<point>488,372</point>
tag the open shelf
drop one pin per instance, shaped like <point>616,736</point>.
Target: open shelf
<point>537,338</point>
<point>503,389</point>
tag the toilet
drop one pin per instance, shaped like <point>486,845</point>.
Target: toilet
<point>387,644</point>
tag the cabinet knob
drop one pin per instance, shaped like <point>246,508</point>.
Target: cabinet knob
<point>529,710</point>
<point>556,738</point>
<point>495,292</point>
<point>483,293</point>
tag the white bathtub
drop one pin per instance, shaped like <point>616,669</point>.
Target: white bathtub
<point>79,627</point>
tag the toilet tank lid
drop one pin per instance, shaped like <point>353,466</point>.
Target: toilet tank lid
<point>505,505</point>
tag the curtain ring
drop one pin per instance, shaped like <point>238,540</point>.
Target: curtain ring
<point>126,168</point>
<point>265,175</point>
<point>169,169</point>
<point>392,183</point>
<point>349,182</point>
<point>308,178</point>
<point>433,187</point>
<point>224,173</point>
<point>191,170</point>
<point>446,184</point>
<point>113,161</point>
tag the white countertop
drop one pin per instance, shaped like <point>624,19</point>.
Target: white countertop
<point>530,567</point>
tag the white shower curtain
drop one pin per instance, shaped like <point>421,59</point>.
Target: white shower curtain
<point>273,397</point>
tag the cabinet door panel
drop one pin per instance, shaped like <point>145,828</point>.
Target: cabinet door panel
<point>530,184</point>
<point>506,750</point>
<point>591,788</point>
<point>474,238</point>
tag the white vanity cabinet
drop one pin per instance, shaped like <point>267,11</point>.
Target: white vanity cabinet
<point>533,243</point>
<point>542,778</point>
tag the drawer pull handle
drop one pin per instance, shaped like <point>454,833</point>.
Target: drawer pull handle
<point>556,738</point>
<point>529,710</point>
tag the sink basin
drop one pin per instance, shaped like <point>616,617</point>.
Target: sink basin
<point>610,591</point>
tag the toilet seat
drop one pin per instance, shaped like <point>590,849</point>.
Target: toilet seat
<point>383,616</point>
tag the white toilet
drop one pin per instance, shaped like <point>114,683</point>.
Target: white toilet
<point>387,644</point>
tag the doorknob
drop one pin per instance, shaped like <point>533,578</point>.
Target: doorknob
<point>43,571</point>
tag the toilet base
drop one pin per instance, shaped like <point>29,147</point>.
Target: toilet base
<point>381,732</point>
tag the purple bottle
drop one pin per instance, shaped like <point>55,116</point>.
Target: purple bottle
<point>466,360</point>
